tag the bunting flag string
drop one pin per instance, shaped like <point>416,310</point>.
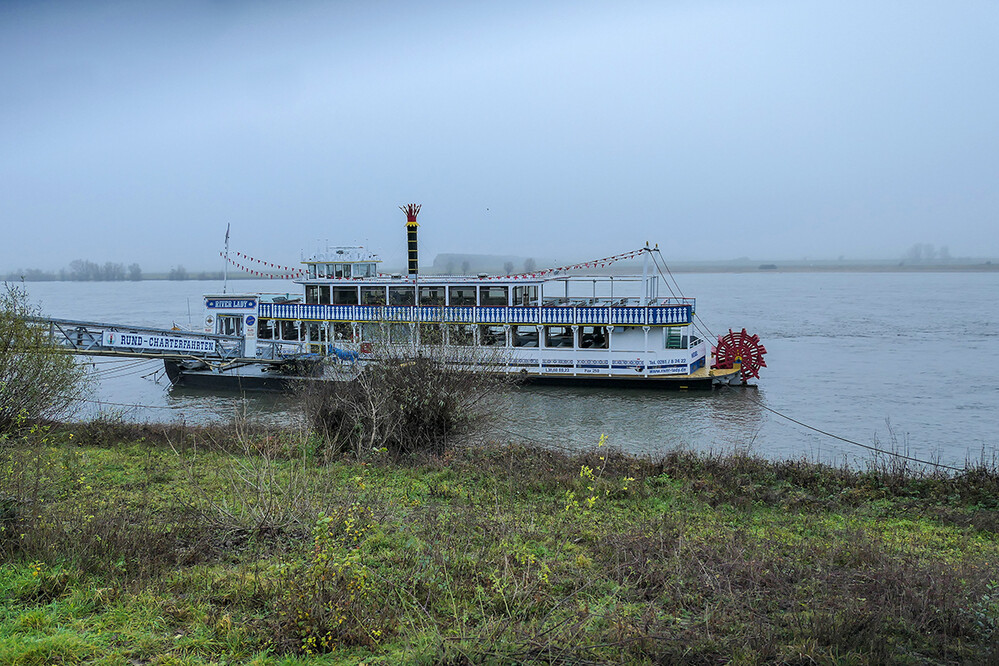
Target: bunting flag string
<point>286,269</point>
<point>286,272</point>
<point>595,263</point>
<point>291,272</point>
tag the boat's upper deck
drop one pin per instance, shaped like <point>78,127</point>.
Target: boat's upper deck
<point>490,291</point>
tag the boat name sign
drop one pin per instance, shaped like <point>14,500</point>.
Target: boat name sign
<point>231,304</point>
<point>161,342</point>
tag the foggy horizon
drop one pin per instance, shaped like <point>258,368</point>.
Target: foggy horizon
<point>770,131</point>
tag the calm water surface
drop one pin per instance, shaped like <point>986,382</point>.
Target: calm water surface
<point>868,356</point>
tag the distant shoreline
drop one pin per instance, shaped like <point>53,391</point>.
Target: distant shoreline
<point>859,268</point>
<point>633,268</point>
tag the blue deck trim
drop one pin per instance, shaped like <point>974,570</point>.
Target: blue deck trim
<point>664,315</point>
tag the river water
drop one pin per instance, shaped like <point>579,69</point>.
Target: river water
<point>904,360</point>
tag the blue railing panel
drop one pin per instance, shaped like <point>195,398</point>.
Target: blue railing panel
<point>627,316</point>
<point>592,316</point>
<point>664,315</point>
<point>522,315</point>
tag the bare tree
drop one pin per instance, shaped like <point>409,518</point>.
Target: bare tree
<point>81,269</point>
<point>113,272</point>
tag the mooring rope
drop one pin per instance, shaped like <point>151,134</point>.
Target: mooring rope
<point>707,332</point>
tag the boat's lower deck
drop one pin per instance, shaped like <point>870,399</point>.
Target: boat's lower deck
<point>262,377</point>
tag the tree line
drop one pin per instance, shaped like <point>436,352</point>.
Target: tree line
<point>925,253</point>
<point>82,270</point>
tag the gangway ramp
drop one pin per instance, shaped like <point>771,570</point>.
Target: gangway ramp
<point>123,340</point>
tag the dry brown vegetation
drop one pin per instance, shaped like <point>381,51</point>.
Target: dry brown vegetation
<point>409,402</point>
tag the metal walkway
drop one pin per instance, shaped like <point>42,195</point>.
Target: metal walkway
<point>102,339</point>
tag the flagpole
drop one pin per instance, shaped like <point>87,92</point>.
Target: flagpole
<point>225,268</point>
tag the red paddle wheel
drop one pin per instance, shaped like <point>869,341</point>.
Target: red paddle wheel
<point>740,347</point>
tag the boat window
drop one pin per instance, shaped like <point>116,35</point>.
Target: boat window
<point>372,332</point>
<point>400,334</point>
<point>431,334</point>
<point>527,295</point>
<point>312,330</point>
<point>558,336</point>
<point>321,270</point>
<point>493,296</point>
<point>432,296</point>
<point>311,293</point>
<point>290,331</point>
<point>402,295</point>
<point>312,271</point>
<point>461,296</point>
<point>363,270</point>
<point>372,295</point>
<point>490,336</point>
<point>592,337</point>
<point>342,331</point>
<point>525,336</point>
<point>324,295</point>
<point>230,324</point>
<point>345,295</point>
<point>265,329</point>
<point>460,334</point>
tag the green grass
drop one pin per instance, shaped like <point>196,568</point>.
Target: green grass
<point>184,546</point>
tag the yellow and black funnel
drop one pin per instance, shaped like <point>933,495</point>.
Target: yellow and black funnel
<point>411,211</point>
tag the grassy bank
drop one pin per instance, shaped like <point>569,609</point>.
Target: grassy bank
<point>157,545</point>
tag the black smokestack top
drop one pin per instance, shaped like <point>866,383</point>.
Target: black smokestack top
<point>411,211</point>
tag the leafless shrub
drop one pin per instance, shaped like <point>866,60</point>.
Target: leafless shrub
<point>423,399</point>
<point>37,379</point>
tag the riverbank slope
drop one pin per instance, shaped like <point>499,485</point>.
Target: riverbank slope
<point>157,544</point>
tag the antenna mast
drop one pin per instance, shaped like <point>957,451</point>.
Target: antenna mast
<point>225,267</point>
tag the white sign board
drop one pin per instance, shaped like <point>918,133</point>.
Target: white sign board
<point>157,342</point>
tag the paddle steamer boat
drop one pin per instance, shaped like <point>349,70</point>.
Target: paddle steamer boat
<point>554,325</point>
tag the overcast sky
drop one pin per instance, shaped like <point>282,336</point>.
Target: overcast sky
<point>137,131</point>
